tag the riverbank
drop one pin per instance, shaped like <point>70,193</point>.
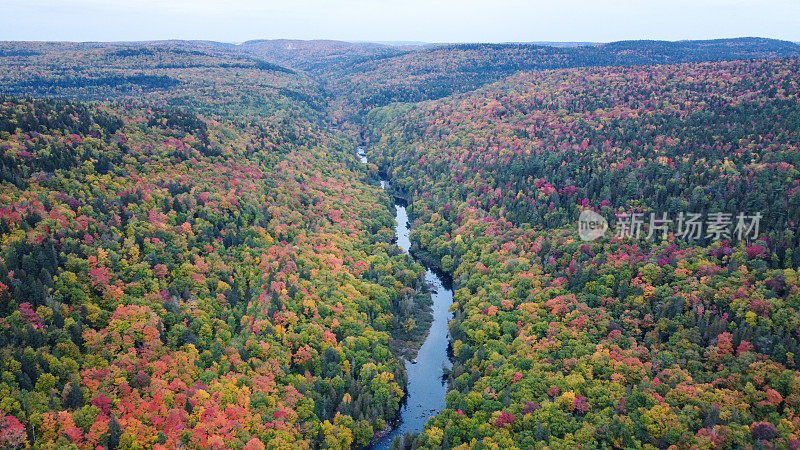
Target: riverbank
<point>426,387</point>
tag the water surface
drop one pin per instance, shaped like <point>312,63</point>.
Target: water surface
<point>426,384</point>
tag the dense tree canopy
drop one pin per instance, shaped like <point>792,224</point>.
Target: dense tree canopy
<point>191,256</point>
<point>617,342</point>
<point>172,280</point>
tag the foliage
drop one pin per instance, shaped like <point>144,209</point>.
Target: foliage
<point>616,342</point>
<point>170,280</point>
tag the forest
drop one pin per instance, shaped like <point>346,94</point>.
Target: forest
<point>618,342</point>
<point>192,255</point>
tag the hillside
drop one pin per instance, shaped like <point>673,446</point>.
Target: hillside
<point>354,77</point>
<point>660,338</point>
<point>169,280</point>
<point>319,56</point>
<point>439,71</point>
<point>195,75</point>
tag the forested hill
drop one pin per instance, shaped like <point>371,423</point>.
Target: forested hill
<point>322,56</point>
<point>200,76</point>
<point>354,77</point>
<point>657,338</point>
<point>366,76</point>
<point>319,56</point>
<point>193,259</point>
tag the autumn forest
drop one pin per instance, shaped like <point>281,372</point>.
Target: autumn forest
<point>199,244</point>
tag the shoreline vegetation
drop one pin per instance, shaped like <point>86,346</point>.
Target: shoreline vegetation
<point>408,424</point>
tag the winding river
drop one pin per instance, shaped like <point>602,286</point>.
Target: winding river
<point>426,384</point>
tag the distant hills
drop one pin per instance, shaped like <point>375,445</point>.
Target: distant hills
<point>203,76</point>
<point>371,75</point>
<point>316,55</point>
<point>353,76</point>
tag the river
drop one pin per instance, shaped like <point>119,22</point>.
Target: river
<point>426,384</point>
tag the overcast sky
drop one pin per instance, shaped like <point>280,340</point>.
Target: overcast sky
<point>397,20</point>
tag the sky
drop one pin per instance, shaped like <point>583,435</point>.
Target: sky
<point>398,20</point>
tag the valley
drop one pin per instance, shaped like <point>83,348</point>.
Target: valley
<point>324,244</point>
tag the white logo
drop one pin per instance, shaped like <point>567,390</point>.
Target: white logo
<point>591,225</point>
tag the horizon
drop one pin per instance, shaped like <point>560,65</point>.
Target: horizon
<point>359,21</point>
<point>408,43</point>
